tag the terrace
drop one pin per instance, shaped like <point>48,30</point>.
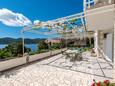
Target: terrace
<point>54,67</point>
<point>59,71</point>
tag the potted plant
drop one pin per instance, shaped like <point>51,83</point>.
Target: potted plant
<point>104,83</point>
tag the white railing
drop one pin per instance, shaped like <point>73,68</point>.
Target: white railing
<point>88,4</point>
<point>97,3</point>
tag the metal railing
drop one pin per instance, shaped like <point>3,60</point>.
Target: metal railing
<point>90,4</point>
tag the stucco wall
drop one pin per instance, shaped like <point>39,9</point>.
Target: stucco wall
<point>101,18</point>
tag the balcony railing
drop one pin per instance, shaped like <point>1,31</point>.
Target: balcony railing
<point>90,4</point>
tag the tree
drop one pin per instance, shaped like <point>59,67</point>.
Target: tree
<point>56,45</point>
<point>42,46</point>
<point>13,50</point>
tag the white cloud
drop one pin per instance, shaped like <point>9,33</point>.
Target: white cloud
<point>10,18</point>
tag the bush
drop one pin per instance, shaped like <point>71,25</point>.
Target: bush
<point>104,83</point>
<point>13,50</point>
<point>4,54</point>
<point>42,45</point>
<point>55,45</point>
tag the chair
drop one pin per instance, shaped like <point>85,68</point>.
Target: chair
<point>79,57</point>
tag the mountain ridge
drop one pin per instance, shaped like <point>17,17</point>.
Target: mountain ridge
<point>8,40</point>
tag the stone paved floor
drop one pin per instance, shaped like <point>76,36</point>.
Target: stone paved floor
<point>58,71</point>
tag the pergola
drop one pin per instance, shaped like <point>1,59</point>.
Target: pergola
<point>72,26</point>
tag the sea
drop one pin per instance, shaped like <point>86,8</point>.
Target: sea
<point>33,47</point>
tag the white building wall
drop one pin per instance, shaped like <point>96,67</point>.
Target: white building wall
<point>109,46</point>
<point>114,51</point>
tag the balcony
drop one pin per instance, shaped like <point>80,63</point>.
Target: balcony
<point>101,18</point>
<point>98,3</point>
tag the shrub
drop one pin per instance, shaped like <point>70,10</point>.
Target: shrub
<point>104,83</point>
<point>12,50</point>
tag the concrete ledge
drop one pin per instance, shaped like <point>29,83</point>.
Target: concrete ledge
<point>38,56</point>
<point>12,63</point>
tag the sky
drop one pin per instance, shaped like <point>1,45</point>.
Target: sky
<point>42,10</point>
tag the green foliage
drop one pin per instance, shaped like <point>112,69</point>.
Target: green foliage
<point>4,54</point>
<point>12,50</point>
<point>42,45</point>
<point>43,50</point>
<point>45,47</point>
<point>56,45</point>
<point>33,53</point>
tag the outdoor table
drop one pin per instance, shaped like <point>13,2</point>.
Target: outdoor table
<point>72,54</point>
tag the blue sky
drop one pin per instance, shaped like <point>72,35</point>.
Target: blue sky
<point>38,10</point>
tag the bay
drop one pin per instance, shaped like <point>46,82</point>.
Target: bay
<point>33,47</point>
<point>3,46</point>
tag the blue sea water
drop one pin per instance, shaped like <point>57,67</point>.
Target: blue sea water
<point>33,47</point>
<point>3,46</point>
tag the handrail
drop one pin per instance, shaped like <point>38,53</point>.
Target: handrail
<point>91,4</point>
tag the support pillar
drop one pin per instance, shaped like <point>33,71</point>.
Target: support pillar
<point>22,33</point>
<point>96,46</point>
<point>114,54</point>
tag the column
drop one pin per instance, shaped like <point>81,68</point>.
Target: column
<point>114,53</point>
<point>96,43</point>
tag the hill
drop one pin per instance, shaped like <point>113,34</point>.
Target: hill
<point>8,40</point>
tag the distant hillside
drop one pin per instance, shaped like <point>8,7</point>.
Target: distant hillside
<point>27,40</point>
